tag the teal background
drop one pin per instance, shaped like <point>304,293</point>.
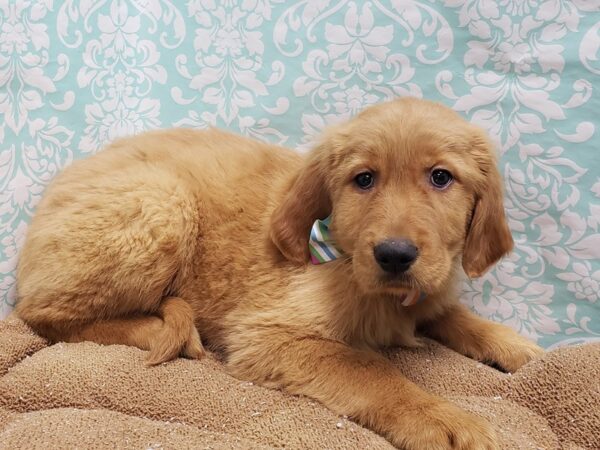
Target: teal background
<point>75,75</point>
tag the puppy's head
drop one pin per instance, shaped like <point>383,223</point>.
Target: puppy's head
<point>412,189</point>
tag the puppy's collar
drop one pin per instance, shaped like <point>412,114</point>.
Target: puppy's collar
<point>323,249</point>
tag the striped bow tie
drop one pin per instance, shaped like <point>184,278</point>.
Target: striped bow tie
<point>320,244</point>
<point>322,249</point>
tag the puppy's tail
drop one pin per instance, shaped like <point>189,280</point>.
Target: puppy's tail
<point>178,334</point>
<point>168,333</point>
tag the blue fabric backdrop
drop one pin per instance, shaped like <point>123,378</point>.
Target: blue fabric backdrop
<point>77,74</point>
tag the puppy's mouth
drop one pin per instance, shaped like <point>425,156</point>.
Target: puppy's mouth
<point>407,296</point>
<point>401,281</point>
<point>403,288</point>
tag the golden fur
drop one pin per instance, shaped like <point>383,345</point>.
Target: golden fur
<point>171,232</point>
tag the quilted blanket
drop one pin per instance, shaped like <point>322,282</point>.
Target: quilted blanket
<point>91,396</point>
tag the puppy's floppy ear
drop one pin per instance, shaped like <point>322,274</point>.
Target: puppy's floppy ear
<point>488,237</point>
<point>307,200</point>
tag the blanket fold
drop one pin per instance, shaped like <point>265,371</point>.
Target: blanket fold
<point>91,396</point>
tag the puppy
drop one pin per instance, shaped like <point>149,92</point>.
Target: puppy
<point>171,232</point>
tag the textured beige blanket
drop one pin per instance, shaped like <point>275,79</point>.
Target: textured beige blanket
<point>90,396</point>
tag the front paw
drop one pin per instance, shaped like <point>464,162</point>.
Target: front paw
<point>441,426</point>
<point>510,351</point>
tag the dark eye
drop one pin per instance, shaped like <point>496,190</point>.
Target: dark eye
<point>440,178</point>
<point>364,180</point>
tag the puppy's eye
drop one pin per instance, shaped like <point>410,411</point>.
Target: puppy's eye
<point>364,180</point>
<point>440,178</point>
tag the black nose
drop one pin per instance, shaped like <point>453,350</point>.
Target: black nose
<point>395,255</point>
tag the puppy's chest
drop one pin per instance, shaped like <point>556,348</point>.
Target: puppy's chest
<point>382,325</point>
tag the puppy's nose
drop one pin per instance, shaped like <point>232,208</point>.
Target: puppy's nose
<point>395,255</point>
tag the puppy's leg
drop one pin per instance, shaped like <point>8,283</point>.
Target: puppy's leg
<point>168,334</point>
<point>101,252</point>
<point>362,385</point>
<point>481,339</point>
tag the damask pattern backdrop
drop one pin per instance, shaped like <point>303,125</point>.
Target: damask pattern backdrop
<point>76,74</point>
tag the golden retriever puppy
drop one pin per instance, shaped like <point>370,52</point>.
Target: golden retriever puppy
<point>170,234</point>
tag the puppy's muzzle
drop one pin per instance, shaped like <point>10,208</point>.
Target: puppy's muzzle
<point>395,255</point>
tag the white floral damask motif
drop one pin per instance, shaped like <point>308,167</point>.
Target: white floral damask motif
<point>119,68</point>
<point>357,66</point>
<point>514,65</point>
<point>589,51</point>
<point>24,58</point>
<point>582,282</point>
<point>112,119</point>
<point>25,170</point>
<point>40,146</point>
<point>515,61</point>
<point>226,72</point>
<point>506,297</point>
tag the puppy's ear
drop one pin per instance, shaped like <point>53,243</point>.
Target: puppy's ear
<point>307,200</point>
<point>488,237</point>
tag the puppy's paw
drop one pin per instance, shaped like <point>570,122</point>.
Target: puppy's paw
<point>168,345</point>
<point>516,353</point>
<point>193,347</point>
<point>410,341</point>
<point>443,426</point>
<point>502,347</point>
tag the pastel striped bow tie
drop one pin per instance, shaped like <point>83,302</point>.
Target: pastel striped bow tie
<point>322,249</point>
<point>320,244</point>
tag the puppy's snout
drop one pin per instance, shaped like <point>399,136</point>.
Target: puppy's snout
<point>396,255</point>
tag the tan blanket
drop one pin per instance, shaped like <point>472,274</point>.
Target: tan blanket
<point>91,396</point>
